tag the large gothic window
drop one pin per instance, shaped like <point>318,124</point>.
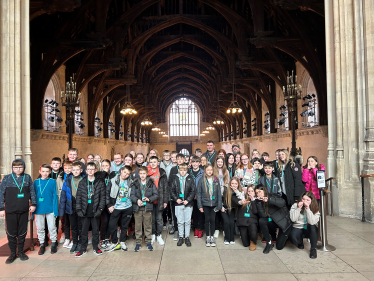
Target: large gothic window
<point>184,118</point>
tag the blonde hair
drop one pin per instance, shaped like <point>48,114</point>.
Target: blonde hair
<point>228,194</point>
<point>226,176</point>
<point>287,160</point>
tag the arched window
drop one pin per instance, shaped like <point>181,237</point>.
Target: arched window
<point>184,151</point>
<point>184,118</point>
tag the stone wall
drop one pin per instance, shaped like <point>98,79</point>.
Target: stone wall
<point>46,145</point>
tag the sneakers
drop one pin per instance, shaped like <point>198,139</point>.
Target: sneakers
<point>216,234</point>
<point>187,241</point>
<point>137,248</point>
<point>98,252</point>
<point>212,242</point>
<point>153,238</point>
<point>200,234</point>
<point>89,237</point>
<point>80,254</point>
<point>124,246</point>
<point>22,256</point>
<point>105,243</point>
<point>149,247</point>
<point>164,227</point>
<point>180,241</point>
<point>313,253</point>
<point>252,246</point>
<point>11,258</point>
<point>73,248</point>
<point>54,248</point>
<point>207,243</point>
<point>176,235</point>
<point>301,246</point>
<point>160,241</point>
<point>232,242</point>
<point>172,230</point>
<point>62,239</point>
<point>70,244</point>
<point>226,242</point>
<point>78,248</point>
<point>268,248</point>
<point>196,233</point>
<point>113,247</point>
<point>66,243</point>
<point>41,250</point>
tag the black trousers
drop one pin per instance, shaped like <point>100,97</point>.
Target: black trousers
<point>248,234</point>
<point>166,214</point>
<point>104,229</point>
<point>210,220</point>
<point>229,225</point>
<point>125,216</point>
<point>197,217</point>
<point>219,221</point>
<point>76,228</point>
<point>16,228</point>
<point>66,228</point>
<point>172,203</point>
<point>86,223</point>
<point>296,236</point>
<point>282,238</point>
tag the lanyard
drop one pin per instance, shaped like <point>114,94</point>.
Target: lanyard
<point>193,174</point>
<point>74,183</point>
<point>40,188</point>
<point>54,173</point>
<point>142,189</point>
<point>210,157</point>
<point>106,181</point>
<point>248,206</point>
<point>156,177</point>
<point>23,181</point>
<point>181,183</point>
<point>89,188</point>
<point>230,170</point>
<point>270,185</point>
<point>256,171</point>
<point>210,187</point>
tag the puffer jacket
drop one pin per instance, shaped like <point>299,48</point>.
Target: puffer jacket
<point>277,209</point>
<point>204,198</point>
<point>162,190</point>
<point>98,197</point>
<point>292,181</point>
<point>241,219</point>
<point>9,191</point>
<point>150,192</point>
<point>189,190</point>
<point>67,204</point>
<point>113,188</point>
<point>309,179</point>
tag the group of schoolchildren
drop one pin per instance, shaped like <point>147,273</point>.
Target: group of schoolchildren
<point>99,201</point>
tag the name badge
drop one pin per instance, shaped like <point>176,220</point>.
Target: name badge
<point>144,203</point>
<point>181,195</point>
<point>41,199</point>
<point>213,197</point>
<point>124,199</point>
<point>20,195</point>
<point>89,201</point>
<point>247,215</point>
<point>270,219</point>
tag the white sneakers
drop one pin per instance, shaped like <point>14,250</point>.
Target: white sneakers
<point>216,234</point>
<point>124,246</point>
<point>62,239</point>
<point>153,238</point>
<point>66,243</point>
<point>160,241</point>
<point>70,244</point>
<point>89,237</point>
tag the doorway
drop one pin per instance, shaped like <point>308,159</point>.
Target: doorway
<point>184,148</point>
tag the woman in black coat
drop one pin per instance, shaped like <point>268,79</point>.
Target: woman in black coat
<point>273,213</point>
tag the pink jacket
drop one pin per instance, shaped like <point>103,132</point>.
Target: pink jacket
<point>309,178</point>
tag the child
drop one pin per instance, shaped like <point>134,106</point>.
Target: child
<point>67,206</point>
<point>167,164</point>
<point>198,152</point>
<point>209,201</point>
<point>90,203</point>
<point>46,207</point>
<point>116,164</point>
<point>159,178</point>
<point>183,193</point>
<point>309,175</point>
<point>120,207</point>
<point>244,172</point>
<point>16,191</point>
<point>198,218</point>
<point>257,170</point>
<point>264,157</point>
<point>143,194</point>
<point>247,219</point>
<point>105,215</point>
<point>56,168</point>
<point>305,217</point>
<point>270,180</point>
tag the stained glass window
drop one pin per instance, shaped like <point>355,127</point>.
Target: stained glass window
<point>183,118</point>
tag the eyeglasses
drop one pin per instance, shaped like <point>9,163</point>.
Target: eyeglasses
<point>17,168</point>
<point>90,170</point>
<point>244,159</point>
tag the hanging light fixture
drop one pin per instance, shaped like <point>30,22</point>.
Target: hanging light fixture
<point>146,121</point>
<point>210,128</point>
<point>218,120</point>
<point>202,135</point>
<point>128,108</point>
<point>205,132</point>
<point>234,106</point>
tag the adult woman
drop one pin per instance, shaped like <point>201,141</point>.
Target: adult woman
<point>152,152</point>
<point>309,176</point>
<point>305,216</point>
<point>289,174</point>
<point>230,164</point>
<point>245,172</point>
<point>273,213</point>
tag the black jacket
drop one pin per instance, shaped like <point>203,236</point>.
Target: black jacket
<point>293,184</point>
<point>150,192</point>
<point>278,211</point>
<point>241,219</point>
<point>98,197</point>
<point>189,190</point>
<point>203,198</point>
<point>162,190</point>
<point>210,157</point>
<point>54,175</point>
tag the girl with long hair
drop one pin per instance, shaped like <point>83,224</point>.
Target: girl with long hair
<point>237,159</point>
<point>309,175</point>
<point>305,217</point>
<point>230,164</point>
<point>244,171</point>
<point>209,201</point>
<point>273,213</point>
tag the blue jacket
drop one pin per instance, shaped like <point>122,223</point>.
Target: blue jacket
<point>46,197</point>
<point>67,204</point>
<point>198,177</point>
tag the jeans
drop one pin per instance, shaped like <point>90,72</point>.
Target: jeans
<point>282,238</point>
<point>248,233</point>
<point>210,219</point>
<point>156,220</point>
<point>229,225</point>
<point>125,216</point>
<point>296,236</point>
<point>183,214</point>
<point>40,224</point>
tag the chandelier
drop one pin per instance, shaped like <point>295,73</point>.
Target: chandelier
<point>128,108</point>
<point>210,128</point>
<point>234,106</point>
<point>146,121</point>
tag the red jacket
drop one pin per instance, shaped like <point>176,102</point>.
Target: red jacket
<point>309,179</point>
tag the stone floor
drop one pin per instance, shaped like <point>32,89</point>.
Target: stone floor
<point>352,260</point>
